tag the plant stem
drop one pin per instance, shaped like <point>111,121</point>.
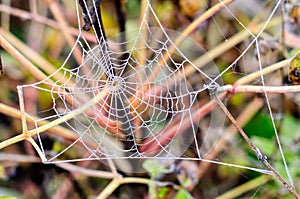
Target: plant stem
<point>25,15</point>
<point>11,141</point>
<point>208,14</point>
<point>187,31</point>
<point>257,152</point>
<point>24,61</point>
<point>58,130</point>
<point>264,71</point>
<point>242,119</point>
<point>258,89</point>
<point>115,183</point>
<point>35,57</point>
<point>100,96</point>
<point>86,172</point>
<point>19,158</point>
<point>234,193</point>
<point>121,21</point>
<point>14,113</point>
<point>56,11</point>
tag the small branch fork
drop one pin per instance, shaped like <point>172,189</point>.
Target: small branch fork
<point>257,152</point>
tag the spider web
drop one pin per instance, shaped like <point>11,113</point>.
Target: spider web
<point>140,98</point>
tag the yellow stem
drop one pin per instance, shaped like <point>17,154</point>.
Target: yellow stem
<point>35,57</point>
<point>24,61</point>
<point>11,141</point>
<point>115,183</point>
<point>264,71</point>
<point>209,13</point>
<point>56,11</point>
<point>37,148</point>
<point>15,113</point>
<point>100,96</point>
<point>43,20</point>
<point>234,193</point>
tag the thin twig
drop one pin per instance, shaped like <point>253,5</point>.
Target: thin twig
<point>24,61</point>
<point>19,158</point>
<point>35,57</point>
<point>242,119</point>
<point>92,17</point>
<point>115,183</point>
<point>15,113</point>
<point>25,15</point>
<point>56,11</point>
<point>187,31</point>
<point>100,96</point>
<point>264,71</point>
<point>258,89</point>
<point>237,191</point>
<point>256,150</point>
<point>228,44</point>
<point>86,172</point>
<point>144,14</point>
<point>87,23</point>
<point>37,148</point>
<point>36,72</point>
<point>208,14</point>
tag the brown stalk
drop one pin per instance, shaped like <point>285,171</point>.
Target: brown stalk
<point>242,119</point>
<point>257,152</point>
<point>63,25</point>
<point>25,15</point>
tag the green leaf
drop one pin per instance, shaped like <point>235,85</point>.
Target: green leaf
<point>8,193</point>
<point>183,194</point>
<point>155,167</point>
<point>260,125</point>
<point>163,192</point>
<point>264,144</point>
<point>290,130</point>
